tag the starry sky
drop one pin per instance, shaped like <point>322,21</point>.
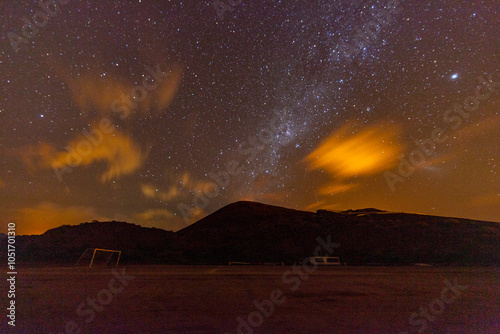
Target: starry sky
<point>161,112</point>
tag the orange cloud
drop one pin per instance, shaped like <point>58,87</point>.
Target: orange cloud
<point>261,189</point>
<point>120,153</point>
<point>467,133</point>
<point>479,129</point>
<point>257,196</point>
<point>44,216</point>
<point>274,196</point>
<point>323,205</point>
<point>168,89</point>
<point>196,214</point>
<point>348,154</point>
<point>314,206</point>
<point>191,214</point>
<point>489,200</point>
<point>150,191</point>
<point>333,188</point>
<point>108,95</point>
<point>35,157</point>
<point>2,183</point>
<point>181,186</point>
<point>436,161</point>
<point>93,91</point>
<point>159,218</point>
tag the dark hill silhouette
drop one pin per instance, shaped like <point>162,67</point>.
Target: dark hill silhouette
<point>257,233</point>
<point>65,244</point>
<point>249,232</point>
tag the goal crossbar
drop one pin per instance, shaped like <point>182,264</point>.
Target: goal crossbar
<point>112,251</point>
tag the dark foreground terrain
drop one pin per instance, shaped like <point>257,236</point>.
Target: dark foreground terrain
<point>227,299</point>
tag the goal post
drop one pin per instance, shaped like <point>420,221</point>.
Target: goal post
<point>95,251</point>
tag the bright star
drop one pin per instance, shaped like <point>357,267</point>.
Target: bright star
<point>454,76</point>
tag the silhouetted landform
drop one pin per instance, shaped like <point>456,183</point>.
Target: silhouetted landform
<point>259,233</point>
<point>65,244</point>
<point>255,232</point>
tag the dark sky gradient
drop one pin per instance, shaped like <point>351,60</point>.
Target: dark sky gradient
<point>309,112</point>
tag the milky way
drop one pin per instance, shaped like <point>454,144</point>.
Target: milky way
<point>159,113</point>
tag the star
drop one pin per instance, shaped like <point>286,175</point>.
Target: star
<point>338,71</point>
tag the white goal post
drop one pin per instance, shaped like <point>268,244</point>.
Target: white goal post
<point>94,252</point>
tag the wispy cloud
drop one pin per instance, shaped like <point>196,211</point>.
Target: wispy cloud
<point>118,150</point>
<point>44,216</point>
<point>324,205</point>
<point>348,153</point>
<point>471,132</point>
<point>159,218</point>
<point>92,91</point>
<point>334,188</point>
<point>478,129</point>
<point>180,186</point>
<point>168,89</point>
<point>150,191</point>
<point>488,200</point>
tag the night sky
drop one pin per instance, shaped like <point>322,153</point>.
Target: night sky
<point>161,112</point>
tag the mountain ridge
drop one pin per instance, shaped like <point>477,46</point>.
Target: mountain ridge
<point>255,232</point>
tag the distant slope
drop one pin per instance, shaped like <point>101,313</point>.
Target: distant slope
<point>248,231</point>
<point>66,243</point>
<point>257,233</point>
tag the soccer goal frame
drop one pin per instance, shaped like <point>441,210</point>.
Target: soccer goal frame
<point>95,250</point>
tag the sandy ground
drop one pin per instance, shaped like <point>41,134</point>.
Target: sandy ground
<point>211,299</point>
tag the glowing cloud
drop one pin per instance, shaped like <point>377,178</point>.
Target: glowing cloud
<point>150,191</point>
<point>333,188</point>
<point>89,92</point>
<point>181,186</point>
<point>323,205</point>
<point>44,216</point>
<point>168,89</point>
<point>195,214</point>
<point>489,200</point>
<point>121,154</point>
<point>479,129</point>
<point>118,150</point>
<point>162,218</point>
<point>348,154</point>
<point>108,95</point>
